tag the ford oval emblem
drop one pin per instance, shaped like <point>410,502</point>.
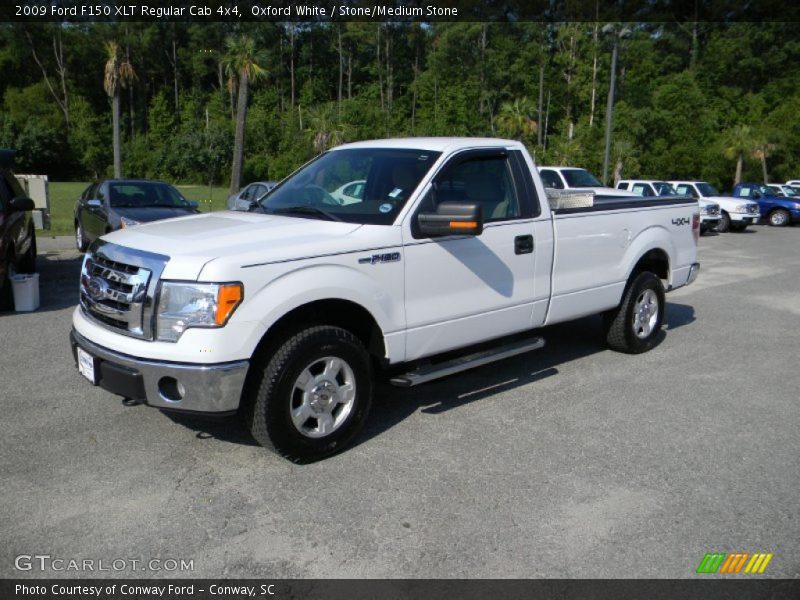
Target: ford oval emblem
<point>96,288</point>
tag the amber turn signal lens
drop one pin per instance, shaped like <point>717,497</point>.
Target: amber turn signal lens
<point>228,298</point>
<point>463,225</point>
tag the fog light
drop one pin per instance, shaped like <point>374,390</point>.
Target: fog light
<point>171,389</point>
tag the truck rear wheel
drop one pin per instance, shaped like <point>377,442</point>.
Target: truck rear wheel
<point>313,394</point>
<point>634,326</point>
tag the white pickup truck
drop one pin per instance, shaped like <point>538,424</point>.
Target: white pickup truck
<point>709,211</point>
<point>573,178</point>
<point>735,213</point>
<point>289,313</point>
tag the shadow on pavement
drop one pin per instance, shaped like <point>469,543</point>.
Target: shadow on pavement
<point>58,282</point>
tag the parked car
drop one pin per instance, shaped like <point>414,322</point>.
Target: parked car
<point>350,192</point>
<point>572,178</point>
<point>709,211</point>
<point>17,235</point>
<point>454,243</point>
<point>735,214</point>
<point>114,204</point>
<point>249,195</point>
<point>777,210</point>
<point>793,182</point>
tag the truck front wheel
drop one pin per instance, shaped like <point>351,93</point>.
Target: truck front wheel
<point>312,395</point>
<point>634,326</point>
<point>724,223</point>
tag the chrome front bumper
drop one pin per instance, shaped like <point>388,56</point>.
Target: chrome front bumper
<point>214,388</point>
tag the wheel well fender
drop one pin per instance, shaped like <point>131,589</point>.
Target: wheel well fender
<point>327,294</point>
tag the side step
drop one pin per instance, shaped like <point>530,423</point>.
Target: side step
<point>470,361</point>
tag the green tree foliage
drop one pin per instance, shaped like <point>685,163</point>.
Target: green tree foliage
<point>716,101</point>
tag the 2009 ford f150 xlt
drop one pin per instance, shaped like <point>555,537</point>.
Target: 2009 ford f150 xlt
<point>288,313</point>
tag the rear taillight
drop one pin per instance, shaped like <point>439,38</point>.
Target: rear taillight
<point>696,227</point>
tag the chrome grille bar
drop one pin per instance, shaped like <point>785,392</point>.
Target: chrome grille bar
<point>117,288</point>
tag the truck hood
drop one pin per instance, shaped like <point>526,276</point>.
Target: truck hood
<point>729,200</point>
<point>193,241</point>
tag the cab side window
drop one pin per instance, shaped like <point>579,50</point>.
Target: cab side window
<point>642,189</point>
<point>551,179</point>
<point>484,181</point>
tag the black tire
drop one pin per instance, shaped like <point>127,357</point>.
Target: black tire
<point>724,223</point>
<point>778,218</point>
<point>27,264</point>
<point>80,237</point>
<point>6,293</point>
<point>621,328</point>
<point>274,394</point>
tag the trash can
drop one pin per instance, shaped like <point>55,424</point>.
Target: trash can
<point>25,287</point>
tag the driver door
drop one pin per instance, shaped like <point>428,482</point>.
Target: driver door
<point>465,289</point>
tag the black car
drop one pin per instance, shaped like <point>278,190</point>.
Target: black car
<point>17,236</point>
<point>112,204</point>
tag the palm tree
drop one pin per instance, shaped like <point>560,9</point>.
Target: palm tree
<point>241,62</point>
<point>514,119</point>
<point>762,150</point>
<point>738,142</point>
<point>119,73</point>
<point>326,132</point>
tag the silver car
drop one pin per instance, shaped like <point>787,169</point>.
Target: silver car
<point>246,196</point>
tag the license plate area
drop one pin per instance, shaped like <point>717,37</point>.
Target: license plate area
<point>86,365</point>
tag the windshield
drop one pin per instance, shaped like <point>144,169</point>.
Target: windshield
<point>139,194</point>
<point>580,178</point>
<point>706,189</point>
<point>357,185</point>
<point>664,189</point>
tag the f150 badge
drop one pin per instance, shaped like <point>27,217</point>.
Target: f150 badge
<point>681,221</point>
<point>379,258</point>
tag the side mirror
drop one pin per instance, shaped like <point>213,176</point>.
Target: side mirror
<point>452,218</point>
<point>22,204</point>
<point>253,206</point>
<point>193,203</point>
<point>94,203</point>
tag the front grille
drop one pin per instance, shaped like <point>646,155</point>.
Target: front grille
<point>117,288</point>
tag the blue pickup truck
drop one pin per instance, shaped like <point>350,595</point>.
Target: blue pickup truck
<point>777,210</point>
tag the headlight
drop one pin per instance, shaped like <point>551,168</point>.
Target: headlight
<point>185,305</point>
<point>126,222</point>
<point>742,208</point>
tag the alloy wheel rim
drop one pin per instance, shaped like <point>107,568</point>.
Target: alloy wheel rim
<point>645,314</point>
<point>322,397</point>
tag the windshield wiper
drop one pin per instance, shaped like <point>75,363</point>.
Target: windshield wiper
<point>305,210</point>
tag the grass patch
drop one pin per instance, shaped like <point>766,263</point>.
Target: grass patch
<point>64,195</point>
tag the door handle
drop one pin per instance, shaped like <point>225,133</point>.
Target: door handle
<point>523,244</point>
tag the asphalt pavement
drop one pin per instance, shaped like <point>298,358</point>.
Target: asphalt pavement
<point>572,461</point>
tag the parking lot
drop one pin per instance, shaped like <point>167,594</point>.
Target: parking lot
<point>573,461</point>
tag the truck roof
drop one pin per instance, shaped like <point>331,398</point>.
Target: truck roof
<point>434,144</point>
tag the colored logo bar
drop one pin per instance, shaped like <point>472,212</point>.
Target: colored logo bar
<point>734,562</point>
